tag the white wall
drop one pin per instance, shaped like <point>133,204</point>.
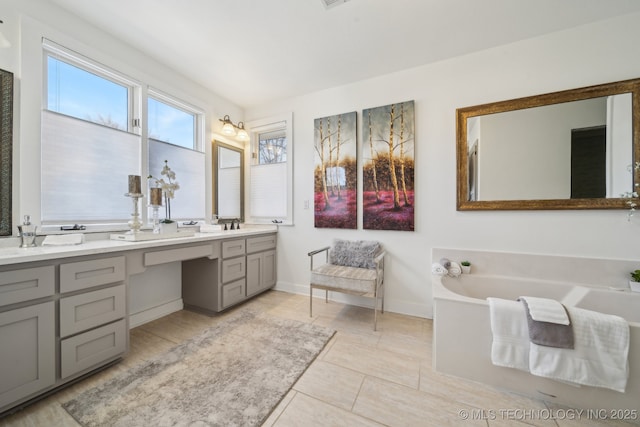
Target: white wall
<point>598,53</point>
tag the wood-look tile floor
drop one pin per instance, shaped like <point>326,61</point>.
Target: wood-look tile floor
<point>361,378</point>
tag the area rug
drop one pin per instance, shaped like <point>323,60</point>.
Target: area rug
<point>233,374</point>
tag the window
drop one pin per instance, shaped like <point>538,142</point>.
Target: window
<point>71,91</point>
<point>89,144</point>
<point>271,180</point>
<point>92,140</point>
<point>175,134</point>
<point>169,123</point>
<point>272,147</point>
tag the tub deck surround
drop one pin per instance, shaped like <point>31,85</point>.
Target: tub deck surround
<point>462,335</point>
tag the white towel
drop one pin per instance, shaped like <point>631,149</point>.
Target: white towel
<point>454,269</point>
<point>510,345</point>
<point>63,239</point>
<point>547,310</point>
<point>599,357</point>
<point>438,269</point>
<point>210,228</point>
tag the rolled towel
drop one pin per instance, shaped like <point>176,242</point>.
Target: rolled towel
<point>454,269</point>
<point>445,262</point>
<point>438,269</point>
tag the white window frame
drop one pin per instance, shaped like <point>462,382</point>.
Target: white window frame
<point>256,127</point>
<point>50,48</point>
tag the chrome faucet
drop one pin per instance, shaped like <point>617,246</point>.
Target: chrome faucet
<point>27,233</point>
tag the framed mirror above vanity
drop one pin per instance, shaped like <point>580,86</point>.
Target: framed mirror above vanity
<point>563,150</point>
<point>6,150</point>
<point>228,188</point>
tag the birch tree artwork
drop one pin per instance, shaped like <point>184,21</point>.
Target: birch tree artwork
<point>388,167</point>
<point>335,173</point>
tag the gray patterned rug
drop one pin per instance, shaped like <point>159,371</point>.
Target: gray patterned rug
<point>233,374</point>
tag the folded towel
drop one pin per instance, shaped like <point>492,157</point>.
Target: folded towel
<point>547,310</point>
<point>599,357</point>
<point>445,262</point>
<point>63,239</point>
<point>546,333</point>
<point>510,345</point>
<point>454,269</point>
<point>438,269</point>
<point>210,228</point>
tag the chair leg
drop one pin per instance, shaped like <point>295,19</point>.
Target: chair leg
<point>326,296</point>
<point>310,301</point>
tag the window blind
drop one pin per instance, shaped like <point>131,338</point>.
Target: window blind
<point>189,166</point>
<point>85,168</point>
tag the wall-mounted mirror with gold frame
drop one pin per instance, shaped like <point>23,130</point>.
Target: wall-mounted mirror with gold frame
<point>563,150</point>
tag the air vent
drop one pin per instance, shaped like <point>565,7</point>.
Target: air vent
<point>332,3</point>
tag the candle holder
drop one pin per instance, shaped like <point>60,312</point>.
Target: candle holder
<point>156,221</point>
<point>135,222</point>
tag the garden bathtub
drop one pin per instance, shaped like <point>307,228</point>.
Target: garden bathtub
<point>462,336</point>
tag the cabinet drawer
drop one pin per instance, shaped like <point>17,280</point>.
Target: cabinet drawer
<point>27,284</point>
<point>257,244</point>
<point>232,248</point>
<point>92,348</point>
<point>86,311</point>
<point>233,292</point>
<point>233,269</point>
<point>86,274</point>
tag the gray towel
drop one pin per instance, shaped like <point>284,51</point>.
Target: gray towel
<point>548,334</point>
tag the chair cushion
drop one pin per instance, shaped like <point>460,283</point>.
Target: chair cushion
<point>354,253</point>
<point>350,279</point>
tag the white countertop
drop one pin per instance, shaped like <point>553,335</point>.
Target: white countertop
<point>16,255</point>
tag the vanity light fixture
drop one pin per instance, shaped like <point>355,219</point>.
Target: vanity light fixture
<point>3,40</point>
<point>242,133</point>
<point>229,128</point>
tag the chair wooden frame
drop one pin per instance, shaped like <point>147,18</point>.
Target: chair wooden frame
<point>378,292</point>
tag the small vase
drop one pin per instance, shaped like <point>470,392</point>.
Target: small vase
<point>635,286</point>
<point>466,269</point>
<point>168,227</point>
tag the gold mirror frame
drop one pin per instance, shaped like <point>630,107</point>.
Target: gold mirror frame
<point>463,114</point>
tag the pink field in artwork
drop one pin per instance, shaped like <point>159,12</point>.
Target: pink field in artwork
<point>383,216</point>
<point>342,213</point>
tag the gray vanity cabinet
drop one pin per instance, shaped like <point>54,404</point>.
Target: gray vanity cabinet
<point>27,332</point>
<point>93,328</point>
<point>246,267</point>
<point>59,322</point>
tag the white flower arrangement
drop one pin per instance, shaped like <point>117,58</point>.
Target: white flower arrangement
<point>169,188</point>
<point>632,195</point>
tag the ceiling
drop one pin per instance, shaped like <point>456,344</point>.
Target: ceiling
<point>256,51</point>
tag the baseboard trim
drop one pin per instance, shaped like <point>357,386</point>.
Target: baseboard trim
<point>393,306</point>
<point>146,316</point>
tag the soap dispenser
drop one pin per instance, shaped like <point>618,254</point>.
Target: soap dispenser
<point>27,233</point>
